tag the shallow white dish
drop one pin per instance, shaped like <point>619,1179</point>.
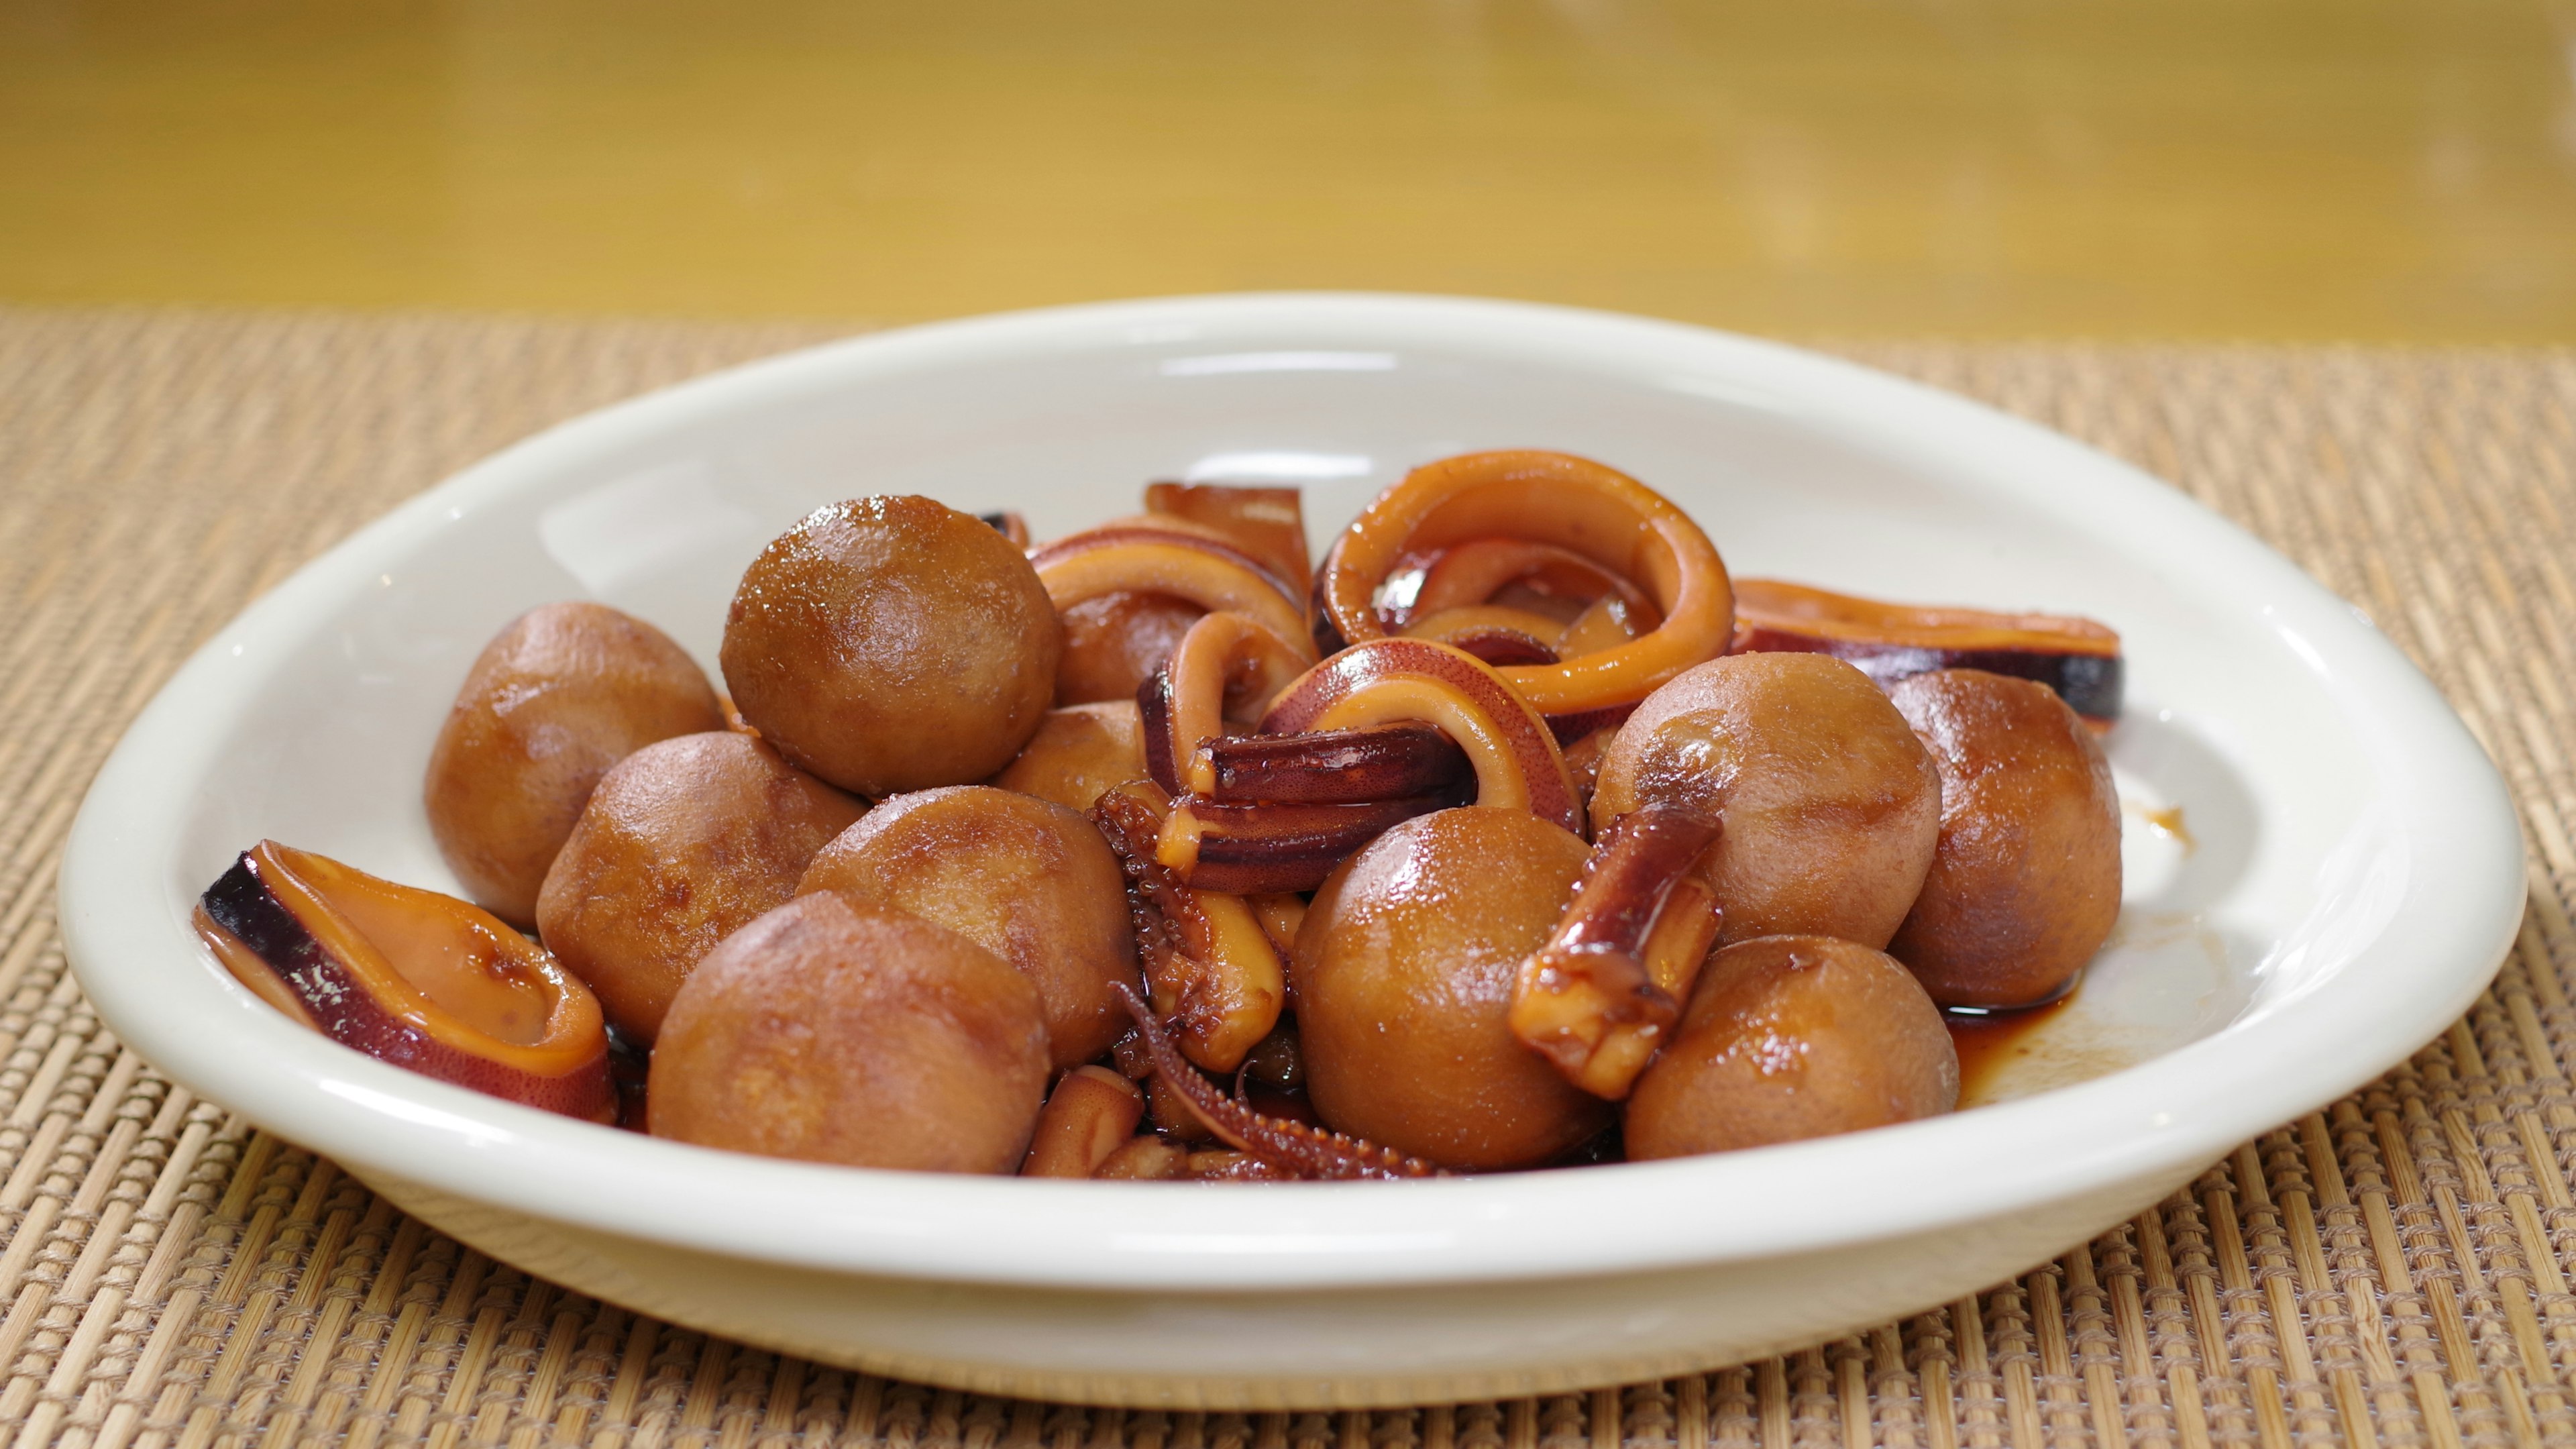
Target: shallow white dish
<point>2354,880</point>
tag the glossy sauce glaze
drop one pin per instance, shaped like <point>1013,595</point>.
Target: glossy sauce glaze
<point>1988,1042</point>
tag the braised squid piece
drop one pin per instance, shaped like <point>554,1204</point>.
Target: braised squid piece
<point>1269,1147</point>
<point>1791,1037</point>
<point>411,977</point>
<point>1029,881</point>
<point>1831,807</point>
<point>892,643</point>
<point>1267,523</point>
<point>1598,999</point>
<point>1115,638</point>
<point>682,844</point>
<point>1218,680</point>
<point>1484,592</point>
<point>829,1032</point>
<point>2025,885</point>
<point>1404,972</point>
<point>1209,966</point>
<point>1597,514</point>
<point>1092,1113</point>
<point>1369,701</point>
<point>2077,658</point>
<point>1508,747</point>
<point>558,696</point>
<point>1169,559</point>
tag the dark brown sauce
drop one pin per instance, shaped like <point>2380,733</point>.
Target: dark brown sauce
<point>1989,1041</point>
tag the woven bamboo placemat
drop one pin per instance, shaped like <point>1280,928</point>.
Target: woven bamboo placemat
<point>2393,1270</point>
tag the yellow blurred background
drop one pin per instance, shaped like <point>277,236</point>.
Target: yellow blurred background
<point>2279,169</point>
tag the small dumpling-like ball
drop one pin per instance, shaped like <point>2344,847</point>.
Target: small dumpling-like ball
<point>1079,752</point>
<point>682,844</point>
<point>1791,1037</point>
<point>1403,973</point>
<point>1029,881</point>
<point>892,644</point>
<point>832,1033</point>
<point>1831,807</point>
<point>2025,886</point>
<point>561,694</point>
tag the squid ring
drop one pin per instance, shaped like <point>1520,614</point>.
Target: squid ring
<point>1597,512</point>
<point>1473,572</point>
<point>1385,681</point>
<point>1225,654</point>
<point>1215,576</point>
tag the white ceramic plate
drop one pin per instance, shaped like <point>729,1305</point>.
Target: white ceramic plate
<point>2354,878</point>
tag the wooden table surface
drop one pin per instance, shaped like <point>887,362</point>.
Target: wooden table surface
<point>2285,169</point>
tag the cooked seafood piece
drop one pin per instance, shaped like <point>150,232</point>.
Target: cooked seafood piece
<point>2076,657</point>
<point>1597,513</point>
<point>411,977</point>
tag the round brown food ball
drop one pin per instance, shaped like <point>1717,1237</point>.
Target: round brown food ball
<point>2026,884</point>
<point>832,1033</point>
<point>1077,753</point>
<point>564,692</point>
<point>1831,807</point>
<point>1403,977</point>
<point>1112,642</point>
<point>682,844</point>
<point>892,644</point>
<point>1029,881</point>
<point>1790,1037</point>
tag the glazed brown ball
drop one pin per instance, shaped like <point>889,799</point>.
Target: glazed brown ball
<point>1791,1037</point>
<point>1027,880</point>
<point>564,692</point>
<point>1077,753</point>
<point>892,644</point>
<point>1112,642</point>
<point>2026,884</point>
<point>682,844</point>
<point>832,1033</point>
<point>1831,806</point>
<point>1403,976</point>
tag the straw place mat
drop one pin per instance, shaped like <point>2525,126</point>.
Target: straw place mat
<point>2392,1271</point>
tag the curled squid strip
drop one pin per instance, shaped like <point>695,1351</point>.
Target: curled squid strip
<point>1207,960</point>
<point>1228,666</point>
<point>1385,681</point>
<point>1196,567</point>
<point>1330,767</point>
<point>1477,571</point>
<point>1267,523</point>
<point>1597,513</point>
<point>1500,637</point>
<point>1009,525</point>
<point>2076,657</point>
<point>1292,1148</point>
<point>1269,846</point>
<point>1606,989</point>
